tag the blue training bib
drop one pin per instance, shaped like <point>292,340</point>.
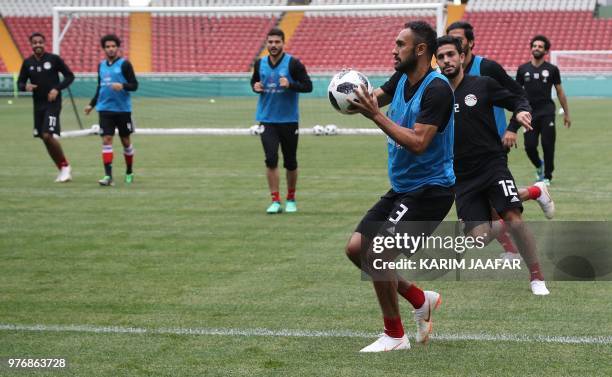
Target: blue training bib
<point>408,171</point>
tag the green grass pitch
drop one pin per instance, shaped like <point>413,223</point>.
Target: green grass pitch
<point>188,246</point>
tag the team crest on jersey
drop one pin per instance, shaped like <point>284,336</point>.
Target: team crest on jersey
<point>545,75</point>
<point>470,100</point>
<point>47,65</point>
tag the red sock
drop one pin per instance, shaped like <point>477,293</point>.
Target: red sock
<point>276,196</point>
<point>128,154</point>
<point>534,272</point>
<point>291,194</point>
<point>534,192</point>
<point>107,154</point>
<point>504,239</point>
<point>62,164</point>
<point>394,327</point>
<point>414,295</point>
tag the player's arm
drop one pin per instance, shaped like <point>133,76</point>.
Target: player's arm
<point>556,77</point>
<point>94,100</point>
<point>63,68</point>
<point>432,118</point>
<point>66,81</point>
<point>128,72</point>
<point>516,103</point>
<point>22,80</point>
<point>256,84</point>
<point>492,69</point>
<point>301,81</point>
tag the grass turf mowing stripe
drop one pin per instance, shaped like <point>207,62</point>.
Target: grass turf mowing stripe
<point>302,333</point>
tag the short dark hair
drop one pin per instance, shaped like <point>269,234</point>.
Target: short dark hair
<point>110,38</point>
<point>37,34</point>
<point>449,40</point>
<point>467,28</point>
<point>277,32</point>
<point>541,38</point>
<point>424,33</point>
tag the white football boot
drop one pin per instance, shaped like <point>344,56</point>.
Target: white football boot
<point>65,174</point>
<point>545,201</point>
<point>387,343</point>
<point>423,316</point>
<point>538,288</point>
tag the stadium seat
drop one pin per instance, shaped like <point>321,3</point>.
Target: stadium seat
<point>504,35</point>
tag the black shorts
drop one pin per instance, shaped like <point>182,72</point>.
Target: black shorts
<point>111,120</point>
<point>428,206</point>
<point>285,134</point>
<point>47,118</point>
<point>494,188</point>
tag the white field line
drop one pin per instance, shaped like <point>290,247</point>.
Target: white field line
<point>302,333</point>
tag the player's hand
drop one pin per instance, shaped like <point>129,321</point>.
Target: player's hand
<point>284,83</point>
<point>509,139</point>
<point>31,87</point>
<point>52,95</point>
<point>524,118</point>
<point>567,122</point>
<point>258,87</point>
<point>367,103</point>
<point>117,86</point>
<point>88,109</point>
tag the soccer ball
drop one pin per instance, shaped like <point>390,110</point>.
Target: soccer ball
<point>256,129</point>
<point>318,130</point>
<point>331,129</point>
<point>342,88</point>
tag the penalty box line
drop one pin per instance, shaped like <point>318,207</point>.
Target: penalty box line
<point>482,337</point>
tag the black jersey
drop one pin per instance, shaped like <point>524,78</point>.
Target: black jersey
<point>538,82</point>
<point>45,74</point>
<point>476,138</point>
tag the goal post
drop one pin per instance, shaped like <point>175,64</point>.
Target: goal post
<point>202,57</point>
<point>58,33</point>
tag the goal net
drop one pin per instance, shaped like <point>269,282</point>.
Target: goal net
<point>589,73</point>
<point>194,64</point>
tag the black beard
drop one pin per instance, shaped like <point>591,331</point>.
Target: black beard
<point>407,65</point>
<point>538,55</point>
<point>451,75</point>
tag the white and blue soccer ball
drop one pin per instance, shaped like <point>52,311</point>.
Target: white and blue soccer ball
<point>342,88</point>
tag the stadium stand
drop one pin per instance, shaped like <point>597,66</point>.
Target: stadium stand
<point>2,67</point>
<point>503,28</point>
<point>324,42</point>
<point>225,44</point>
<point>81,45</point>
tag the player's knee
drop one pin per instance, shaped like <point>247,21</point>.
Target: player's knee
<point>513,218</point>
<point>353,247</point>
<point>290,165</point>
<point>47,137</point>
<point>272,162</point>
